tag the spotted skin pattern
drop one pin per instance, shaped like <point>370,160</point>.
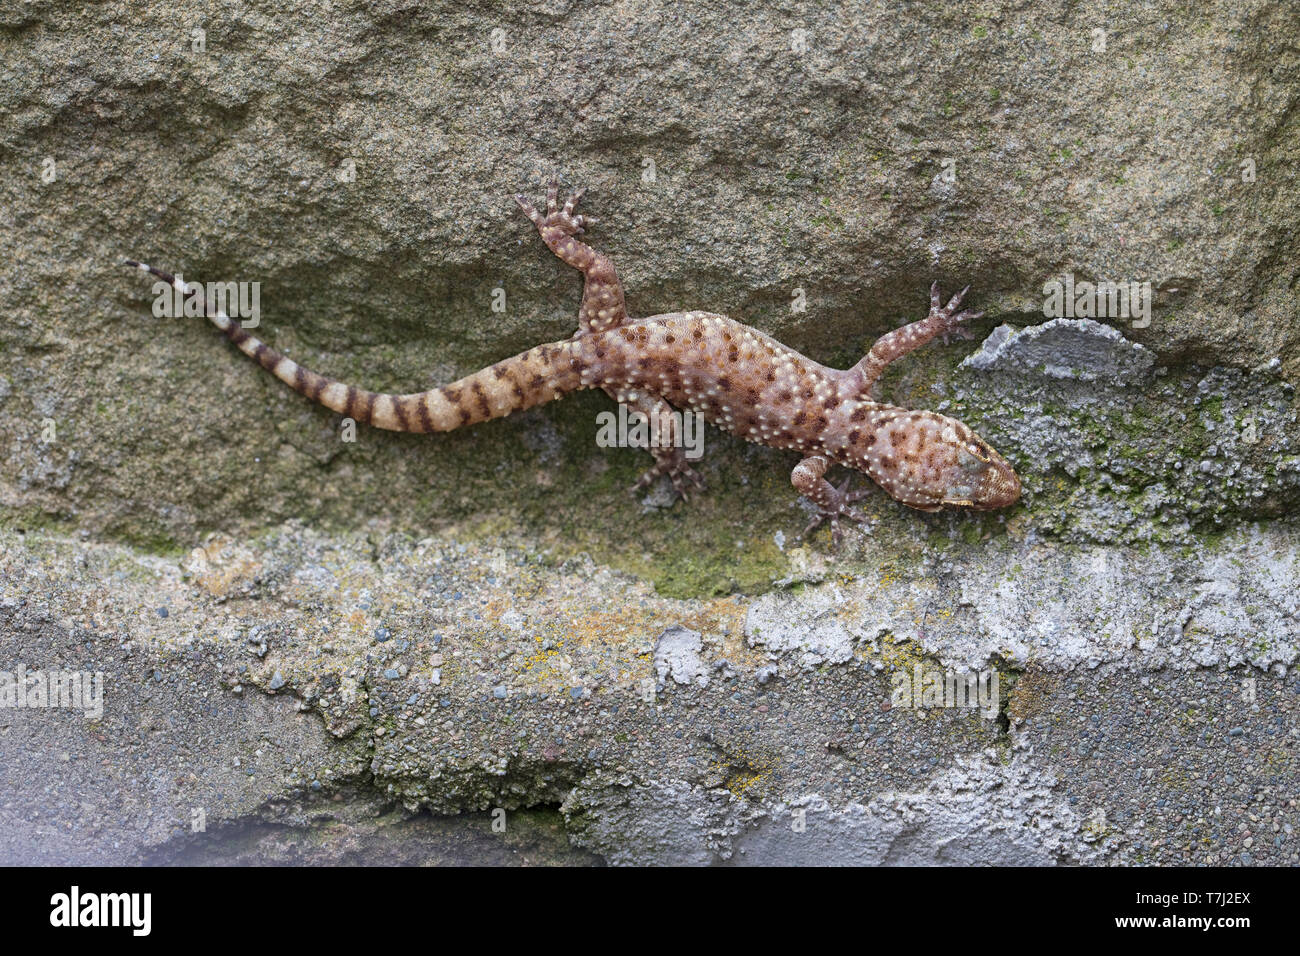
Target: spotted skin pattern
<point>741,380</point>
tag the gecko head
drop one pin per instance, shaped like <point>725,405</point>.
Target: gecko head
<point>998,485</point>
<point>975,475</point>
<point>930,461</point>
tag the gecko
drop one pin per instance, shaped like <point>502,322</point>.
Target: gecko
<point>740,379</point>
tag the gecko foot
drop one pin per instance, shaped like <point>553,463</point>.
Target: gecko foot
<point>562,220</point>
<point>835,511</point>
<point>678,472</point>
<point>948,319</point>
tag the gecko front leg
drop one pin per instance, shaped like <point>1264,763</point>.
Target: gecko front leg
<point>809,480</point>
<point>943,320</point>
<point>602,294</point>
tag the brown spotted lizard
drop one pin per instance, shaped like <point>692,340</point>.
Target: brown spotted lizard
<point>740,379</point>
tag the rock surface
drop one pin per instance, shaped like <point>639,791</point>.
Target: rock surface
<point>479,647</point>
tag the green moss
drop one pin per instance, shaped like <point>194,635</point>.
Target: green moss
<point>31,518</point>
<point>146,538</point>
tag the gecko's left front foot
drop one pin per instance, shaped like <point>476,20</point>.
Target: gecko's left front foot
<point>833,508</point>
<point>678,471</point>
<point>949,321</point>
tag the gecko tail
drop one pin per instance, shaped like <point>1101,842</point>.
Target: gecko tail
<point>539,375</point>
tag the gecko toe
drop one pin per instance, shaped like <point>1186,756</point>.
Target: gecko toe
<point>682,474</point>
<point>557,219</point>
<point>811,527</point>
<point>529,210</point>
<point>857,516</point>
<point>678,474</point>
<point>955,301</point>
<point>848,497</point>
<point>571,203</point>
<point>954,327</point>
<point>834,519</point>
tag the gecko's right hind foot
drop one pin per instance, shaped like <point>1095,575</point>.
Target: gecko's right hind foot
<point>561,220</point>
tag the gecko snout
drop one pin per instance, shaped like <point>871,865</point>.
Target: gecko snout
<point>999,486</point>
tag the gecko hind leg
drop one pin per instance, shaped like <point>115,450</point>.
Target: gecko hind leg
<point>809,480</point>
<point>670,456</point>
<point>602,306</point>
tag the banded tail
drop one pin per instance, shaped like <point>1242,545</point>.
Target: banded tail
<point>539,375</point>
